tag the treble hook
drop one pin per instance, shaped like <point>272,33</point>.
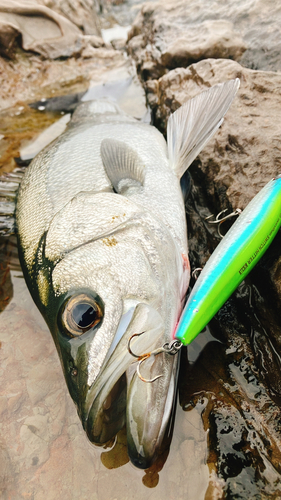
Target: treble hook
<point>195,272</point>
<point>219,221</point>
<point>169,348</point>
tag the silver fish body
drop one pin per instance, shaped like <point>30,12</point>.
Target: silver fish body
<point>103,246</point>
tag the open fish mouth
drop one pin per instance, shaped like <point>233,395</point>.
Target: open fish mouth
<point>118,396</point>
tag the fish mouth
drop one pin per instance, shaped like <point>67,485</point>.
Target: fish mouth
<point>147,423</point>
<point>119,396</point>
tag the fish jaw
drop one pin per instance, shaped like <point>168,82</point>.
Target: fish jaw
<point>150,408</point>
<point>151,399</point>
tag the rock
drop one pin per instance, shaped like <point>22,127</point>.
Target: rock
<point>245,153</point>
<point>217,39</point>
<point>177,33</point>
<point>42,30</point>
<point>7,474</point>
<point>34,437</point>
<point>82,13</point>
<point>8,36</point>
<point>53,29</point>
<point>94,41</point>
<point>243,422</point>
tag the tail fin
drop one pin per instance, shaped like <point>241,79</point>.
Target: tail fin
<point>195,122</point>
<point>9,184</point>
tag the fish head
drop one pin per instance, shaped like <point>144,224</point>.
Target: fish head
<point>104,271</point>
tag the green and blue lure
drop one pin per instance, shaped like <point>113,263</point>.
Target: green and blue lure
<point>233,259</point>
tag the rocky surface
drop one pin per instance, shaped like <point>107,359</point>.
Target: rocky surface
<point>246,151</point>
<point>41,29</point>
<point>33,78</point>
<point>177,33</point>
<point>82,13</point>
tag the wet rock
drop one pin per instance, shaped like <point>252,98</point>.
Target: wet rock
<point>242,420</point>
<point>118,454</point>
<point>176,34</point>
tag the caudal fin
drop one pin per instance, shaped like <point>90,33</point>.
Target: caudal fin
<point>195,122</point>
<point>9,184</point>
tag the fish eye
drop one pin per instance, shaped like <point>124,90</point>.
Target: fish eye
<point>80,313</point>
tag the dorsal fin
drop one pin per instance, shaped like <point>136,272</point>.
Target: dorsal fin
<point>194,123</point>
<point>120,162</point>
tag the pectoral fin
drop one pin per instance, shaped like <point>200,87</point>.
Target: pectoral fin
<point>121,162</point>
<point>194,123</point>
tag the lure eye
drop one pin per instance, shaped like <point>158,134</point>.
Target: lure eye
<point>81,313</point>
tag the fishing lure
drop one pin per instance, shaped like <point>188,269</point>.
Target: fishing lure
<point>232,260</point>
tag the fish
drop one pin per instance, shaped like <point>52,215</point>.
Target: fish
<point>102,239</point>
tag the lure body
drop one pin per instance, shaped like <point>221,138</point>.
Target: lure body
<point>233,259</point>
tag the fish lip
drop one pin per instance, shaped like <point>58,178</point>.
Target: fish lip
<point>91,396</point>
<point>152,438</point>
<point>97,433</point>
<point>140,461</point>
<point>94,401</point>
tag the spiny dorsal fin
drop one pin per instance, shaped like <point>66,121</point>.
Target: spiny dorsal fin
<point>194,123</point>
<point>120,162</point>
